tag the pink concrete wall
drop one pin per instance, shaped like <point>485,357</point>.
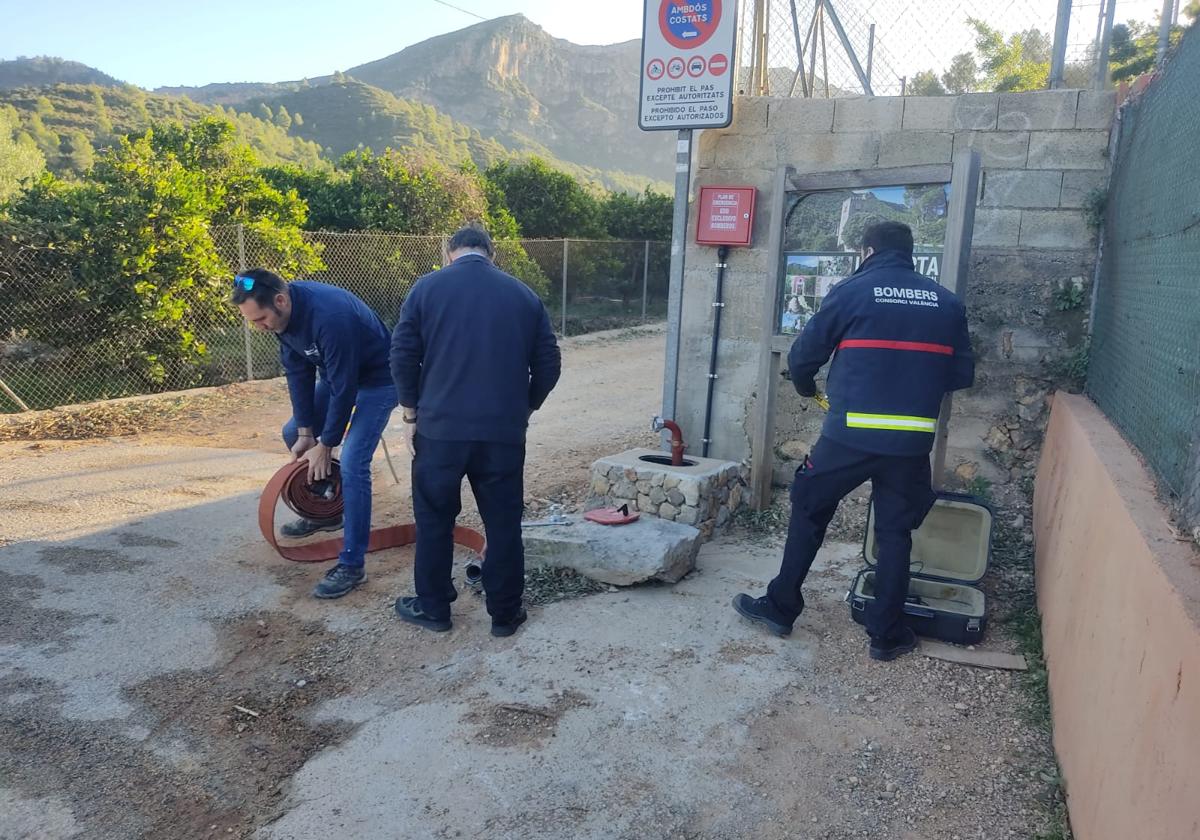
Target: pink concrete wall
<point>1120,601</point>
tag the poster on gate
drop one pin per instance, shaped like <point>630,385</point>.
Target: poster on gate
<point>823,235</point>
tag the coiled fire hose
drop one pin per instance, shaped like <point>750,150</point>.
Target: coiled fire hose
<point>290,483</point>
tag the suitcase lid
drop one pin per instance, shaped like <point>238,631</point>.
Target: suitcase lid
<point>953,544</point>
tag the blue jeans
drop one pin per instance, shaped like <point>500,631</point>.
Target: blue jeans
<point>371,412</point>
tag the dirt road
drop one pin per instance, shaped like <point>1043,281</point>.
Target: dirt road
<point>163,675</point>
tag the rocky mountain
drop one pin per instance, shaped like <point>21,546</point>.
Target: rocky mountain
<point>513,83</point>
<point>68,122</point>
<point>501,87</point>
<point>343,114</point>
<point>511,80</point>
<point>231,93</point>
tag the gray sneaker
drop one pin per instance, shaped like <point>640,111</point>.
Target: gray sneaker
<point>303,527</point>
<point>339,581</point>
<point>409,609</point>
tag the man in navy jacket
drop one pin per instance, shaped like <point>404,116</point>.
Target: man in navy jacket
<point>901,344</point>
<point>325,329</point>
<point>473,356</point>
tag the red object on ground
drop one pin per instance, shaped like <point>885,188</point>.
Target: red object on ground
<point>290,483</point>
<point>611,516</point>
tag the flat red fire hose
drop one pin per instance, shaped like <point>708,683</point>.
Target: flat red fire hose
<point>290,483</point>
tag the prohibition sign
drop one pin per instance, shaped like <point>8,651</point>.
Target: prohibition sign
<point>696,66</point>
<point>688,23</point>
<point>717,64</point>
<point>675,68</point>
<point>655,69</point>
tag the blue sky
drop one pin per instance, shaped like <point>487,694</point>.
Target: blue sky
<point>893,194</point>
<point>166,42</point>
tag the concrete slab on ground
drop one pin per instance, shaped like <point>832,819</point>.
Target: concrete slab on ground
<point>622,555</point>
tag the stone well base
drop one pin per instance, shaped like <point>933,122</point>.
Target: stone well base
<point>705,494</point>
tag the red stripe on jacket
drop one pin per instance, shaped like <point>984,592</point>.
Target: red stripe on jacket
<point>880,344</point>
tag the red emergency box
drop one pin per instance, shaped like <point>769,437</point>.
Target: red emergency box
<point>726,215</point>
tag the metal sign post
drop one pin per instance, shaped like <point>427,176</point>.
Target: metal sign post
<point>241,244</point>
<point>683,168</point>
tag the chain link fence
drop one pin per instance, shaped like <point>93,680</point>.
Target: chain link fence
<point>63,341</point>
<point>60,344</point>
<point>1144,369</point>
<point>825,48</point>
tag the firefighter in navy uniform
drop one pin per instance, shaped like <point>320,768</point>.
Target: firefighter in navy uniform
<point>900,343</point>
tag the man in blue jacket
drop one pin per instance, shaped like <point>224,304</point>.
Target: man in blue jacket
<point>325,329</point>
<point>901,344</point>
<point>473,356</point>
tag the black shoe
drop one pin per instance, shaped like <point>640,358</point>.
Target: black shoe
<point>500,629</point>
<point>759,610</point>
<point>339,581</point>
<point>409,609</point>
<point>885,650</point>
<point>303,527</point>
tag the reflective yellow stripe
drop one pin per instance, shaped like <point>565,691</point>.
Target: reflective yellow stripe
<point>891,422</point>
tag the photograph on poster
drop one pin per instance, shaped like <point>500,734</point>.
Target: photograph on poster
<point>823,234</point>
<point>808,278</point>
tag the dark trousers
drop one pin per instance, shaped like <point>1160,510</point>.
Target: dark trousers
<point>496,473</point>
<point>902,495</point>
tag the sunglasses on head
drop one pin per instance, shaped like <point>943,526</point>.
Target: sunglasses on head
<point>246,284</point>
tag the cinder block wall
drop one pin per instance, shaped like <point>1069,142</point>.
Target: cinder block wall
<point>1043,153</point>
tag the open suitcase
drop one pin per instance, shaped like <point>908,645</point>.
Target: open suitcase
<point>951,551</point>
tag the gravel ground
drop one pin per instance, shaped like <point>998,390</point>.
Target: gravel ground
<point>162,675</point>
